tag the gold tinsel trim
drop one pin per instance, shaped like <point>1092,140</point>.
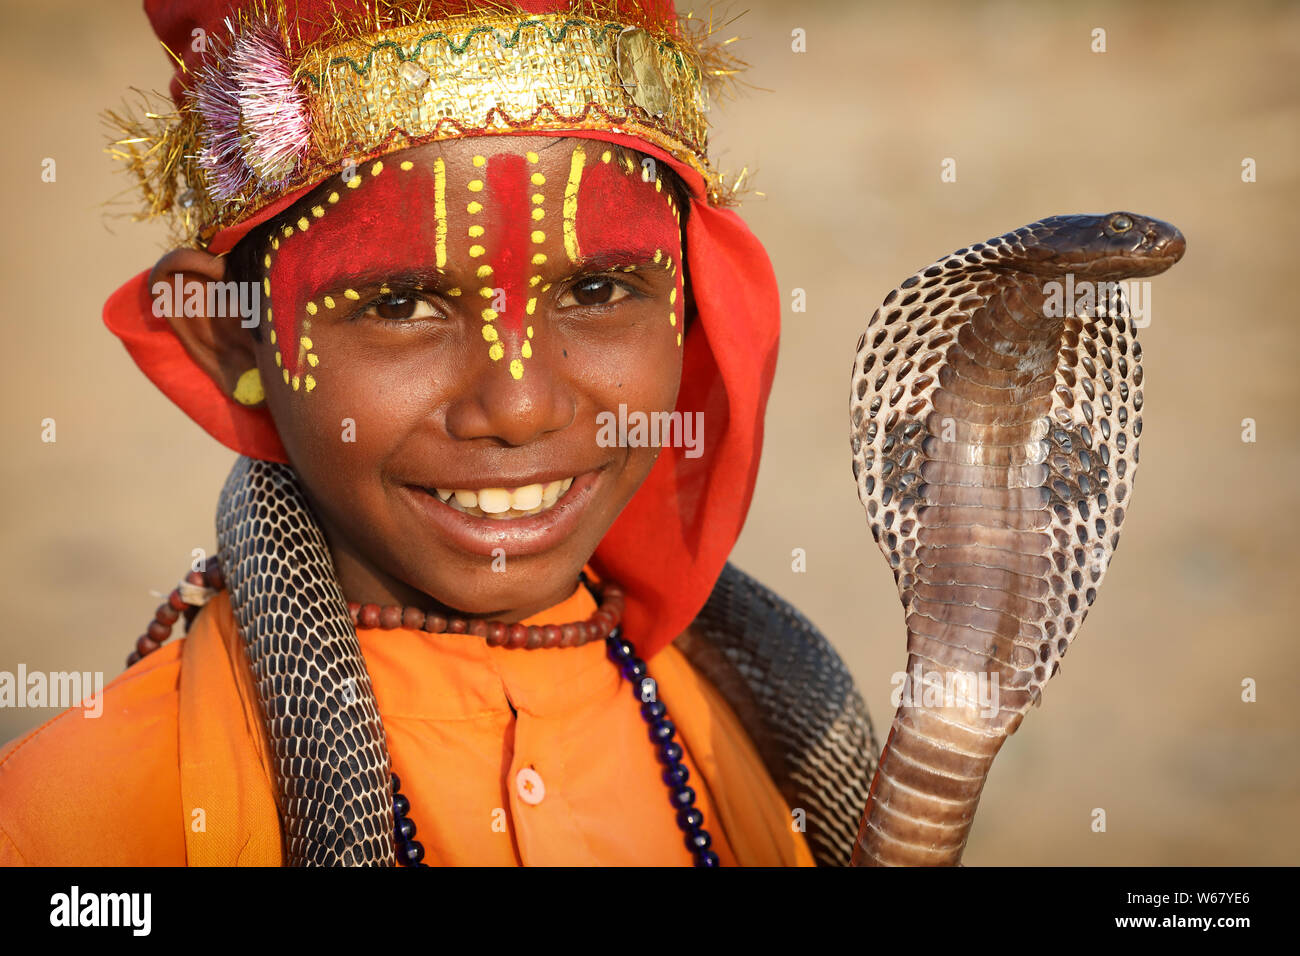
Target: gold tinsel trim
<point>159,144</point>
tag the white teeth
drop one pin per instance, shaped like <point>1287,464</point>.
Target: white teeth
<point>500,503</point>
<point>526,498</point>
<point>493,500</point>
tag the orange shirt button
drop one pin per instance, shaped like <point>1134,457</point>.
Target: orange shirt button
<point>528,783</point>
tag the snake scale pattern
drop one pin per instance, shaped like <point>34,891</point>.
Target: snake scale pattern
<point>995,444</point>
<point>775,669</point>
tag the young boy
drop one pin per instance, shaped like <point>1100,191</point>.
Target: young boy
<point>512,357</point>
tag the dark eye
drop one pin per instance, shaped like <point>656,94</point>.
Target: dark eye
<point>1121,224</point>
<point>399,307</point>
<point>594,291</point>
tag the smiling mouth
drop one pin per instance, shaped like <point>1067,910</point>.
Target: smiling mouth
<point>503,503</point>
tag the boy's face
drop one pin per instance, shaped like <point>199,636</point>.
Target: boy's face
<point>446,330</point>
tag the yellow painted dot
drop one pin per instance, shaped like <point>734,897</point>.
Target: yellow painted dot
<point>384,290</point>
<point>318,211</point>
<point>659,255</point>
<point>288,231</point>
<point>530,331</point>
<point>334,197</point>
<point>378,168</point>
<point>474,207</point>
<point>526,350</point>
<point>268,318</point>
<point>266,286</point>
<point>303,224</point>
<point>538,199</point>
<point>351,294</point>
<point>286,376</point>
<point>479,160</point>
<point>486,292</point>
<point>475,231</point>
<point>605,156</point>
<point>679,338</point>
<point>407,166</point>
<point>539,214</point>
<point>309,382</point>
<point>453,292</point>
<point>538,236</point>
<point>296,383</point>
<point>672,297</point>
<point>532,157</point>
<point>537,179</point>
<point>531,307</point>
<point>534,280</point>
<point>329,301</point>
<point>672,318</point>
<point>629,268</point>
<point>659,185</point>
<point>539,259</point>
<point>669,263</point>
<point>546,287</point>
<point>279,360</point>
<point>516,368</point>
<point>490,333</point>
<point>313,359</point>
<point>266,261</point>
<point>306,343</point>
<point>354,182</point>
<point>311,308</point>
<point>476,251</point>
<point>273,336</point>
<point>275,243</point>
<point>496,351</point>
<point>489,315</point>
<point>484,271</point>
<point>476,185</point>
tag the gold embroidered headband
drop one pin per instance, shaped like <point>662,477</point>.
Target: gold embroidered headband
<point>265,116</point>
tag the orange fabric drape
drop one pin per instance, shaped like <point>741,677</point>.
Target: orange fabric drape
<point>176,772</point>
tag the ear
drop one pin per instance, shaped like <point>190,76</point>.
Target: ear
<point>218,343</point>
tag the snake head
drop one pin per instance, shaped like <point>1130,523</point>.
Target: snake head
<point>1116,246</point>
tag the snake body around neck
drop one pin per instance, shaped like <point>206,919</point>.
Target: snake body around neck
<point>995,410</point>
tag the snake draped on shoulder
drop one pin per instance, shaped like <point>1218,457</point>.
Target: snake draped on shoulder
<point>776,671</point>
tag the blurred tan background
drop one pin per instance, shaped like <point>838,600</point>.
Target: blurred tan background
<point>1146,720</point>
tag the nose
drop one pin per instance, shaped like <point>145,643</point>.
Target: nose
<point>495,405</point>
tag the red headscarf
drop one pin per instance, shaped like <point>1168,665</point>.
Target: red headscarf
<point>670,543</point>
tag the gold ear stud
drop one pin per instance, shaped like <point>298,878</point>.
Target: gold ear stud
<point>249,391</point>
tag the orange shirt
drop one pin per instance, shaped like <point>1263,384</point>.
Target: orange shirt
<point>175,772</point>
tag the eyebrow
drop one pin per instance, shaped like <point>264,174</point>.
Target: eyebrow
<point>607,259</point>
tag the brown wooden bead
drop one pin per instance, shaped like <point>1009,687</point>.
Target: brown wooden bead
<point>213,577</point>
<point>456,626</point>
<point>568,635</point>
<point>534,638</point>
<point>369,615</point>
<point>551,636</point>
<point>390,616</point>
<point>145,646</point>
<point>435,624</point>
<point>195,578</point>
<point>479,628</point>
<point>159,631</point>
<point>166,614</point>
<point>176,601</point>
<point>412,618</point>
<point>598,628</point>
<point>497,634</point>
<point>133,658</point>
<point>516,635</point>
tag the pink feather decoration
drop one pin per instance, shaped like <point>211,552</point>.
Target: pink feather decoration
<point>256,127</point>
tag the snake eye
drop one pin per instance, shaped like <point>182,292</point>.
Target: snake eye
<point>1121,224</point>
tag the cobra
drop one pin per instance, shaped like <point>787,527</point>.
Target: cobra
<point>994,439</point>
